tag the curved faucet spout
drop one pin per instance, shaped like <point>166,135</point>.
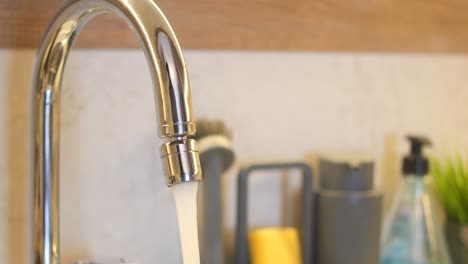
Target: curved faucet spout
<point>172,96</point>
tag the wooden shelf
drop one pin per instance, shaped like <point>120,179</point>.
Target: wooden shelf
<point>322,25</point>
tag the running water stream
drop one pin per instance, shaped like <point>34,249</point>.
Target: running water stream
<point>185,195</point>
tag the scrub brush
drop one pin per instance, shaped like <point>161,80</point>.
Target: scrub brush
<point>216,156</point>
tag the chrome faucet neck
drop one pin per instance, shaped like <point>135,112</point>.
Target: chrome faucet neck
<point>171,91</point>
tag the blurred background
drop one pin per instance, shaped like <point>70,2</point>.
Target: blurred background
<point>291,80</point>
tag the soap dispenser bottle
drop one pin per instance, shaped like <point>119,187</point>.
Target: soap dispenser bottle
<point>413,233</point>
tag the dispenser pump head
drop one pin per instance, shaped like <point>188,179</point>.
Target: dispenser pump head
<point>416,163</point>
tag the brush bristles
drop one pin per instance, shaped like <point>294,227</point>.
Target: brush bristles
<point>211,127</point>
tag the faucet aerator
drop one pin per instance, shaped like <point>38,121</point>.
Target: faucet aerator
<point>181,162</point>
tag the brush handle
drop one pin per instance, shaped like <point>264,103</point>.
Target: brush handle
<point>210,219</point>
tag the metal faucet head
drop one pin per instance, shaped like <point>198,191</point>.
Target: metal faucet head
<point>181,161</point>
<point>171,91</point>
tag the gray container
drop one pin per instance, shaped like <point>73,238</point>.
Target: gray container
<point>348,214</point>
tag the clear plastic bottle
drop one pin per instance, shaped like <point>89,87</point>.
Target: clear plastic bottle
<point>413,233</point>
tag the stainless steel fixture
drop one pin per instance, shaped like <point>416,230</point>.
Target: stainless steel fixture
<point>172,96</point>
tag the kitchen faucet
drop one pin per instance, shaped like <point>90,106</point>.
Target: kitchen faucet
<point>171,91</point>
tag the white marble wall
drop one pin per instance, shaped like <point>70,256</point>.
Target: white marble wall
<point>280,106</point>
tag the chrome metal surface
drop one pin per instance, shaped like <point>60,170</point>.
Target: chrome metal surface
<point>181,161</point>
<point>171,91</point>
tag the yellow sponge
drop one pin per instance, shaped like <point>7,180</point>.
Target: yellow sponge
<point>275,246</point>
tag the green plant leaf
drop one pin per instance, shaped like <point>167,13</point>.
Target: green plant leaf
<point>451,184</point>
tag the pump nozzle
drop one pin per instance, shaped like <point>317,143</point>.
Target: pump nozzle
<point>416,163</point>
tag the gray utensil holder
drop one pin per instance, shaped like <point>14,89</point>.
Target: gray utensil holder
<point>242,250</point>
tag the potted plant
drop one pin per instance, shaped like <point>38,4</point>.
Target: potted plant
<point>450,177</point>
